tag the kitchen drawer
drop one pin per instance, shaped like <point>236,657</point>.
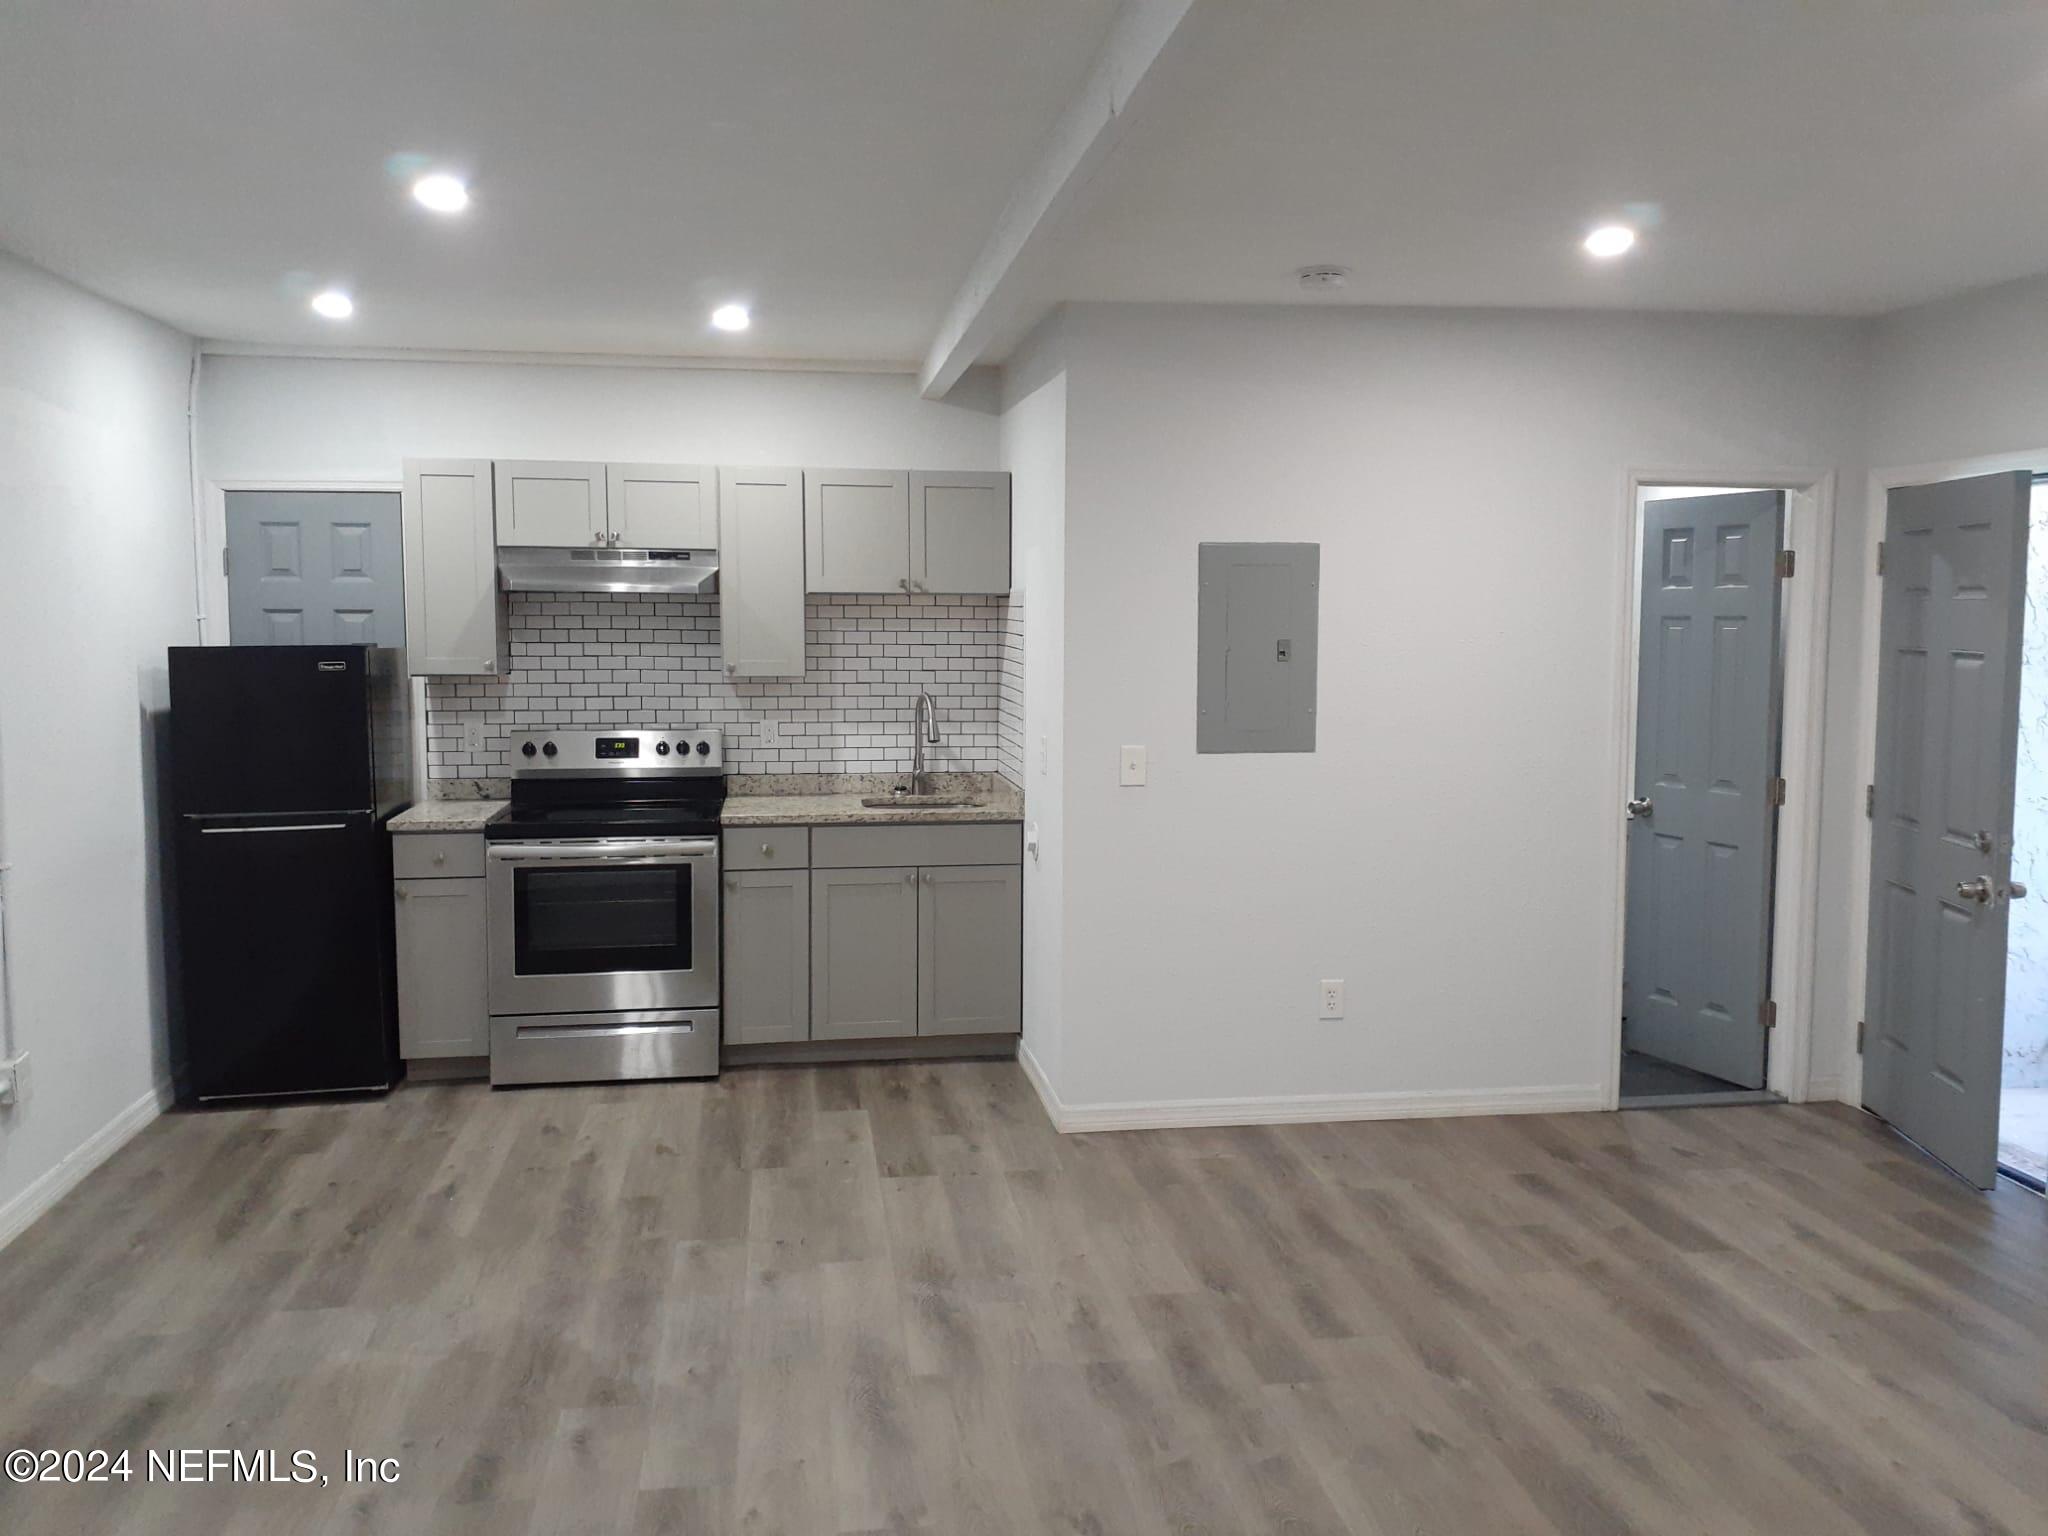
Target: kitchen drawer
<point>768,848</point>
<point>993,842</point>
<point>436,855</point>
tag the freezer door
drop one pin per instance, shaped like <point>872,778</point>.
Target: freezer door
<point>272,728</point>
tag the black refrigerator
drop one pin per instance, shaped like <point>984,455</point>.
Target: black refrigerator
<point>287,761</point>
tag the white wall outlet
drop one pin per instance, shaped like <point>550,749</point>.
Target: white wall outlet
<point>473,739</point>
<point>771,735</point>
<point>14,1080</point>
<point>1133,766</point>
<point>1333,1000</point>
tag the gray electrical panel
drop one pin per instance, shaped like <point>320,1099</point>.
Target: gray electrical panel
<point>1255,677</point>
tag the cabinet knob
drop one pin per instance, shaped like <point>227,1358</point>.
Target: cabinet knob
<point>903,582</point>
<point>767,850</point>
<point>440,858</point>
<point>911,878</point>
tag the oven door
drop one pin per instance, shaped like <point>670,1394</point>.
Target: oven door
<point>601,925</point>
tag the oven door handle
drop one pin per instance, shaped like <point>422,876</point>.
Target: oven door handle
<point>606,851</point>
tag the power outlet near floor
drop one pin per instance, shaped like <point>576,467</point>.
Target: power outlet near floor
<point>13,1081</point>
<point>1333,1000</point>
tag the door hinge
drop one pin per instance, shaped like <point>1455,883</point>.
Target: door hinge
<point>1880,557</point>
<point>224,560</point>
<point>1859,1037</point>
<point>1788,562</point>
<point>1870,802</point>
<point>1767,1014</point>
<point>1777,791</point>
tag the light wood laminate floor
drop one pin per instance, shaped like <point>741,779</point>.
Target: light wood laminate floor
<point>889,1298</point>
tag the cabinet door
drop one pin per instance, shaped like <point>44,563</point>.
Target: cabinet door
<point>442,1007</point>
<point>857,530</point>
<point>550,506</point>
<point>761,572</point>
<point>959,532</point>
<point>662,506</point>
<point>970,941</point>
<point>863,953</point>
<point>452,604</point>
<point>767,956</point>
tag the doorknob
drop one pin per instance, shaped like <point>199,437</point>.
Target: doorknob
<point>1977,890</point>
<point>2017,891</point>
<point>1638,809</point>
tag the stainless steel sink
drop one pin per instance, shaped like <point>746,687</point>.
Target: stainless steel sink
<point>917,802</point>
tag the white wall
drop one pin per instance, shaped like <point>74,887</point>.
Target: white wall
<point>1034,448</point>
<point>336,419</point>
<point>96,579</point>
<point>1963,378</point>
<point>1451,848</point>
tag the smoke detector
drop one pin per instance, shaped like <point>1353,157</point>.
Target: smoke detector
<point>1323,279</point>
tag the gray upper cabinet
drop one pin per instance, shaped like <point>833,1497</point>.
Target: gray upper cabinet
<point>970,935</point>
<point>761,572</point>
<point>549,505</point>
<point>452,603</point>
<point>857,530</point>
<point>767,973</point>
<point>863,953</point>
<point>959,532</point>
<point>662,506</point>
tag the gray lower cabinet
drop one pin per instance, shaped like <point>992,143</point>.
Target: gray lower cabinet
<point>863,953</point>
<point>970,923</point>
<point>767,956</point>
<point>442,1009</point>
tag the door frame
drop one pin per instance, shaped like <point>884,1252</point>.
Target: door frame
<point>1881,483</point>
<point>213,539</point>
<point>1803,625</point>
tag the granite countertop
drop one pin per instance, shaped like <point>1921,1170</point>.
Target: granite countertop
<point>447,816</point>
<point>798,800</point>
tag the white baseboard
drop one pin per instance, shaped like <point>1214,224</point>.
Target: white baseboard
<point>19,1213</point>
<point>1306,1108</point>
<point>1824,1090</point>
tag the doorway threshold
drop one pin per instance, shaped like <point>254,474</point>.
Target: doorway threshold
<point>1700,1100</point>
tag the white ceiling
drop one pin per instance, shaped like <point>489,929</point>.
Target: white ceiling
<point>1830,156</point>
<point>838,162</point>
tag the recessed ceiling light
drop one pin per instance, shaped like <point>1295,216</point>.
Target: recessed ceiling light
<point>334,304</point>
<point>441,192</point>
<point>1325,279</point>
<point>1610,240</point>
<point>731,317</point>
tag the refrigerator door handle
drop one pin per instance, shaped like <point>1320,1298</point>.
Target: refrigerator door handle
<point>299,826</point>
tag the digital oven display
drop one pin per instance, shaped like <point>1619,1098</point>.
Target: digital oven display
<point>618,746</point>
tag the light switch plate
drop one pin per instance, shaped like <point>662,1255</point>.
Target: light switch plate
<point>1133,766</point>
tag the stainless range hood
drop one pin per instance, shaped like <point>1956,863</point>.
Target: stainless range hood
<point>671,572</point>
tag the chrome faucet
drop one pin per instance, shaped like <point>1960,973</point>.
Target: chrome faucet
<point>925,729</point>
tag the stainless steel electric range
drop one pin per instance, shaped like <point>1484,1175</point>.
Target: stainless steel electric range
<point>603,908</point>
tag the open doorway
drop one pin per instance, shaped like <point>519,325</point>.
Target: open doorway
<point>2023,1079</point>
<point>1697,1014</point>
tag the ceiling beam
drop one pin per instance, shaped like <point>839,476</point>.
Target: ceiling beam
<point>1086,131</point>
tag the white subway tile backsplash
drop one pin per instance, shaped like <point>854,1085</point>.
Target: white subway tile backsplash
<point>601,662</point>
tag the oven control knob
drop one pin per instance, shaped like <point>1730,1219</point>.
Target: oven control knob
<point>661,748</point>
<point>527,749</point>
<point>703,749</point>
<point>548,749</point>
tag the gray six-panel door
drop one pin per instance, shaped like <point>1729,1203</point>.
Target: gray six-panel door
<point>1941,815</point>
<point>315,568</point>
<point>1696,973</point>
